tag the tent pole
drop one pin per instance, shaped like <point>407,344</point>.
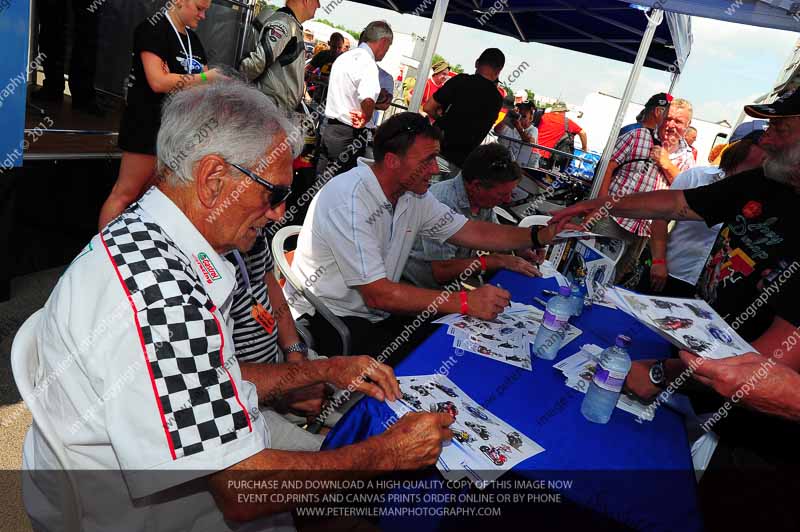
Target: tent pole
<point>654,20</point>
<point>676,76</point>
<point>437,19</point>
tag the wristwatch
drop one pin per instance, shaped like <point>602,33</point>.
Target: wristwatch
<point>658,374</point>
<point>299,346</point>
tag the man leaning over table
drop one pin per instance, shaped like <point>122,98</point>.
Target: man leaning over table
<point>137,365</point>
<point>488,179</point>
<point>360,229</point>
<point>750,279</point>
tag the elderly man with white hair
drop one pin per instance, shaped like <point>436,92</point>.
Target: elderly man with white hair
<point>137,365</point>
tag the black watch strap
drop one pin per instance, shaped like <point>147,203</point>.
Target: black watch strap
<point>535,244</point>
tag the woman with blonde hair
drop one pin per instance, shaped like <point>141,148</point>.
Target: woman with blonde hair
<point>167,57</point>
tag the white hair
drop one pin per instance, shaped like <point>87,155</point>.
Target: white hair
<point>681,103</point>
<point>784,166</point>
<point>377,30</point>
<point>226,118</point>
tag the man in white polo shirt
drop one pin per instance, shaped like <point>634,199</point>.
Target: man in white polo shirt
<point>353,91</point>
<point>137,371</point>
<point>360,229</point>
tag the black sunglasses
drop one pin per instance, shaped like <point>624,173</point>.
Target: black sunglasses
<point>410,129</point>
<point>278,193</point>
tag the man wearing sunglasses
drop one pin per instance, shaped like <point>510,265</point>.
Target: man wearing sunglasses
<point>360,229</point>
<point>136,339</point>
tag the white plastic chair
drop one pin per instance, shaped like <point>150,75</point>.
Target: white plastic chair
<point>25,367</point>
<point>285,270</point>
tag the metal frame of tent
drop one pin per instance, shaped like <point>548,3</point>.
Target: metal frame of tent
<point>598,11</point>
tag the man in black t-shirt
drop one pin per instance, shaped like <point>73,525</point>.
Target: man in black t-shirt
<point>467,106</point>
<point>751,276</point>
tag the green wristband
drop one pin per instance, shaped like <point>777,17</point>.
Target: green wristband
<point>203,77</point>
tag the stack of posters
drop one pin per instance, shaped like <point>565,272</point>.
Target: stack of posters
<point>483,447</point>
<point>507,338</point>
<point>690,324</point>
<point>579,371</point>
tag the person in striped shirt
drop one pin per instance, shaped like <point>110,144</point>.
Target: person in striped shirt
<point>271,340</point>
<point>641,164</point>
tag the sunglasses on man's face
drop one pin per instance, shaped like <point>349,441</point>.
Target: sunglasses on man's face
<point>278,193</point>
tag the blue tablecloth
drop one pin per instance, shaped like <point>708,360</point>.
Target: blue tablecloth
<point>639,474</point>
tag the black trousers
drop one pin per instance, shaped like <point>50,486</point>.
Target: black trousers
<point>392,339</point>
<point>53,19</point>
<point>755,466</point>
<point>342,145</point>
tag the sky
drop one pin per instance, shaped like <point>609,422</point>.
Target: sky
<point>730,64</point>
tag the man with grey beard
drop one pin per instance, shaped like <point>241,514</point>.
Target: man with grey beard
<point>751,279</point>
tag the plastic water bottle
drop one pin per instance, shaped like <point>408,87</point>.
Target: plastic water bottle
<point>577,296</point>
<point>554,325</point>
<point>613,366</point>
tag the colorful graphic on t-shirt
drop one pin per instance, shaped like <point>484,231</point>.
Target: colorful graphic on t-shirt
<point>738,249</point>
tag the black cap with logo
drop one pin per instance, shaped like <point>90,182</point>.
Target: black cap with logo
<point>662,99</point>
<point>787,105</point>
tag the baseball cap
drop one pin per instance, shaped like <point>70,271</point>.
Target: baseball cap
<point>750,130</point>
<point>662,99</point>
<point>787,105</point>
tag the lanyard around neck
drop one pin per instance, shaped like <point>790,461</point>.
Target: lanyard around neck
<point>188,64</point>
<point>243,269</point>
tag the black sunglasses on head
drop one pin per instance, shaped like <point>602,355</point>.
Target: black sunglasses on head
<point>278,193</point>
<point>409,129</point>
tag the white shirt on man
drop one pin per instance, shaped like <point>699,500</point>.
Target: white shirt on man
<point>689,242</point>
<point>352,236</point>
<point>354,78</point>
<point>138,375</point>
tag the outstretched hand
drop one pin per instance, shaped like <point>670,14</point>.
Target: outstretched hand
<point>591,210</point>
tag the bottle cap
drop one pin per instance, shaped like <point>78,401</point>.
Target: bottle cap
<point>564,291</point>
<point>623,341</point>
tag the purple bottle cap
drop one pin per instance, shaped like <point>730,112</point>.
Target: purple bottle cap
<point>623,341</point>
<point>564,291</point>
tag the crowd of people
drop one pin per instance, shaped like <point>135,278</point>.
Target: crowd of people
<point>180,276</point>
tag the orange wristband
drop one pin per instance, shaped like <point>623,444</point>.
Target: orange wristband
<point>464,304</point>
<point>482,258</point>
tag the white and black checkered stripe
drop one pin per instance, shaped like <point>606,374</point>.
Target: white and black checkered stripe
<point>253,343</point>
<point>181,337</point>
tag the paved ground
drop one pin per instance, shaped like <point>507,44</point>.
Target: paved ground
<point>28,293</point>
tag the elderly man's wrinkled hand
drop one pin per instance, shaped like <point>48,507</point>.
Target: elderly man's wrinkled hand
<point>363,374</point>
<point>725,375</point>
<point>416,440</point>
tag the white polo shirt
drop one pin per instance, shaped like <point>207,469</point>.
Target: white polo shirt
<point>690,243</point>
<point>138,374</point>
<point>352,236</point>
<point>354,78</point>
